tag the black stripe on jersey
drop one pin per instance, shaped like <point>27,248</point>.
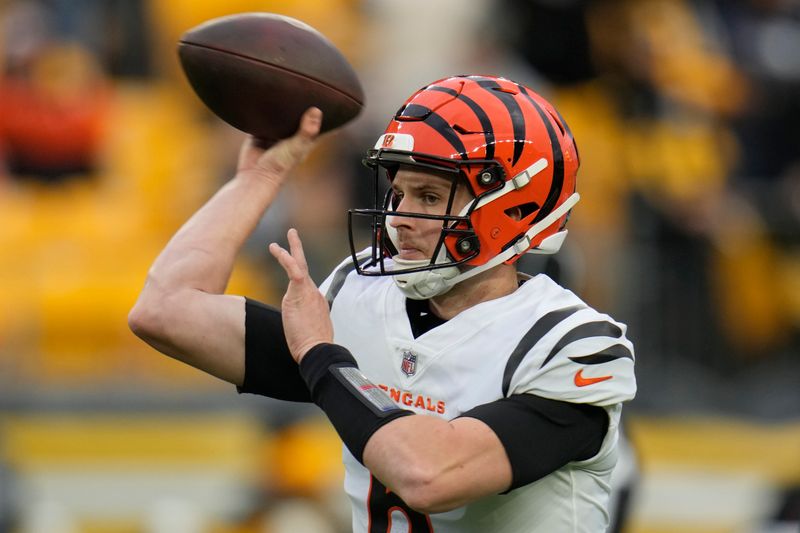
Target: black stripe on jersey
<point>439,124</point>
<point>514,111</point>
<point>611,353</point>
<point>483,118</point>
<point>338,281</point>
<point>590,329</point>
<point>558,161</point>
<point>529,340</point>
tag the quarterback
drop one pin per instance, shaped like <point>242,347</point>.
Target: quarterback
<point>468,396</point>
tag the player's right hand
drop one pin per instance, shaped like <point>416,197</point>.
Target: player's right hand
<point>304,311</point>
<point>274,163</point>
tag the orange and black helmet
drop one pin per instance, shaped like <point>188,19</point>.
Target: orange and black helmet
<point>507,143</point>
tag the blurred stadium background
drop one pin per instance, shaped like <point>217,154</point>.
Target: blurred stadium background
<point>687,115</point>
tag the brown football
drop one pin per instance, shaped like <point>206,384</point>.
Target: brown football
<point>260,71</point>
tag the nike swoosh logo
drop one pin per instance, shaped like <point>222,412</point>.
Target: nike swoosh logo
<point>581,381</point>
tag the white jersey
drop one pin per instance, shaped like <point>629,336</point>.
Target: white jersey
<point>541,339</point>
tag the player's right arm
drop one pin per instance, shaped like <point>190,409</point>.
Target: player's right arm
<point>182,310</point>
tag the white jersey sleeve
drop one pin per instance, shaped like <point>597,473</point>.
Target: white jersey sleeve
<point>574,354</point>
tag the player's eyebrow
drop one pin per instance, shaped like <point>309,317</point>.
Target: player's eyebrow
<point>427,185</point>
<point>431,187</point>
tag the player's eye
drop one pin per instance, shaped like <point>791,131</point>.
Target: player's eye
<point>430,199</point>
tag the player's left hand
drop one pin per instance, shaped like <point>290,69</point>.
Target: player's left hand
<point>306,316</point>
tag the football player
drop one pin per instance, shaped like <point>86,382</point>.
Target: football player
<point>469,397</point>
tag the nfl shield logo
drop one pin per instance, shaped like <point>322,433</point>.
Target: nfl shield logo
<point>409,364</point>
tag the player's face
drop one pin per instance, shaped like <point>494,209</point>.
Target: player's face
<point>419,191</point>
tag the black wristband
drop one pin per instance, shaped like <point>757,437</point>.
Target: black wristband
<point>356,407</point>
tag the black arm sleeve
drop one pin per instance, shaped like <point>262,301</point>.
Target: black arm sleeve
<point>269,369</point>
<point>541,435</point>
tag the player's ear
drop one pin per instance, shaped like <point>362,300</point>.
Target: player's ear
<point>514,212</point>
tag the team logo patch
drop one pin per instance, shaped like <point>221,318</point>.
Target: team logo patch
<point>395,141</point>
<point>409,364</point>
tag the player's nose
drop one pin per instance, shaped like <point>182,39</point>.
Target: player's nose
<point>398,222</point>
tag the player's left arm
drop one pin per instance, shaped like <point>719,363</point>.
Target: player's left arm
<point>434,465</point>
<point>437,465</point>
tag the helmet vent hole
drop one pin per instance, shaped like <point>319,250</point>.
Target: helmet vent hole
<point>462,130</point>
<point>522,211</point>
<point>507,90</point>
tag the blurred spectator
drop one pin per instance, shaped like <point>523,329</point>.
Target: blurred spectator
<point>117,32</point>
<point>54,98</point>
<point>763,38</point>
<point>54,109</point>
<point>57,60</point>
<point>24,27</point>
<point>702,244</point>
<point>552,36</point>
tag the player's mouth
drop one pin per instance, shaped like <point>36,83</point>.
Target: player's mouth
<point>409,253</point>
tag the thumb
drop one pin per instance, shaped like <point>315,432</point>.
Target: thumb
<point>288,153</point>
